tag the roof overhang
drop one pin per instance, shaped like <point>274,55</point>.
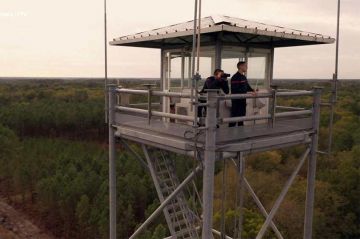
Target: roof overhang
<point>231,31</point>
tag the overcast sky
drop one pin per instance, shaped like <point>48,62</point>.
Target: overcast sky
<point>65,38</point>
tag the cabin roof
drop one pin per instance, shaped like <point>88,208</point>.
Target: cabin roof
<point>233,30</point>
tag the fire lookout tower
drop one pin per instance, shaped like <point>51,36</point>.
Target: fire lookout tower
<point>168,121</point>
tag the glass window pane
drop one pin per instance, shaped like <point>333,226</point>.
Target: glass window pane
<point>175,72</point>
<point>230,57</point>
<point>257,71</point>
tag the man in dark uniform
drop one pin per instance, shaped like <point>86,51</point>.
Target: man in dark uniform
<point>217,81</point>
<point>239,85</point>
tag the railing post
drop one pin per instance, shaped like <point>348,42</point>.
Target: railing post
<point>209,164</point>
<point>310,194</point>
<point>112,160</point>
<point>148,86</point>
<point>273,105</point>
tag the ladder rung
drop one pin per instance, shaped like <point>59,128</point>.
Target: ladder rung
<point>175,214</point>
<point>162,172</point>
<point>168,180</point>
<point>173,207</point>
<point>168,189</point>
<point>184,232</point>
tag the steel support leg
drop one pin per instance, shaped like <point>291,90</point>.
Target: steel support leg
<point>112,163</point>
<point>310,194</point>
<point>209,165</point>
<point>241,161</point>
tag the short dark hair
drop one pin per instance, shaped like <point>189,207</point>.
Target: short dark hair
<point>240,63</point>
<point>217,71</point>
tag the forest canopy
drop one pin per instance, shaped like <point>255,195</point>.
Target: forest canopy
<point>53,166</point>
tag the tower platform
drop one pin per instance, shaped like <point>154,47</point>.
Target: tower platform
<point>179,138</point>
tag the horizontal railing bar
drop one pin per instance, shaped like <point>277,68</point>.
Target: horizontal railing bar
<point>289,108</point>
<point>155,113</point>
<point>132,110</point>
<point>245,118</point>
<point>245,96</point>
<point>171,94</point>
<point>173,116</point>
<point>154,93</point>
<point>322,152</point>
<point>232,96</point>
<point>289,90</point>
<point>293,113</point>
<point>143,104</point>
<point>295,93</point>
<point>132,91</point>
<point>326,104</point>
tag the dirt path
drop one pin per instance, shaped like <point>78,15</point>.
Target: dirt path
<point>13,225</point>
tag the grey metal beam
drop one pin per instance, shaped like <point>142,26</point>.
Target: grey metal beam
<point>241,167</point>
<point>135,154</point>
<point>218,51</point>
<point>282,196</point>
<point>268,143</point>
<point>262,208</point>
<point>310,193</point>
<point>209,165</point>
<point>256,199</point>
<point>112,162</point>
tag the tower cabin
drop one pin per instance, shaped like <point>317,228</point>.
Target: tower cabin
<point>167,119</point>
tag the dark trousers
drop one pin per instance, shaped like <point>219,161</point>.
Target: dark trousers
<point>238,109</point>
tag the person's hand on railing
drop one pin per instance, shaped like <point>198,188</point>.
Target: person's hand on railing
<point>253,93</point>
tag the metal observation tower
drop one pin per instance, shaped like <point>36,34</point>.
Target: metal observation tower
<point>168,122</point>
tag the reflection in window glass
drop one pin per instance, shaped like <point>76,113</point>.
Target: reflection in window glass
<point>257,71</point>
<point>205,69</point>
<point>229,65</point>
<point>175,72</point>
<point>178,63</point>
<point>230,57</point>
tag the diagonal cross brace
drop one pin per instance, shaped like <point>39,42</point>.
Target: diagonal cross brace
<point>282,195</point>
<point>258,203</point>
<point>262,208</point>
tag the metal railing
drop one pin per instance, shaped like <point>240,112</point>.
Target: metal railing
<point>271,116</point>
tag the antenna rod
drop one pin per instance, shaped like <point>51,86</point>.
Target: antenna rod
<point>333,99</point>
<point>198,40</point>
<point>193,55</point>
<point>106,63</point>
<point>337,42</point>
<point>197,77</point>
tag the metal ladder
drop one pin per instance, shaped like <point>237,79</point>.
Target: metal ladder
<point>181,220</point>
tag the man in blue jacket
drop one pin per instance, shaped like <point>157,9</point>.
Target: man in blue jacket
<point>239,85</point>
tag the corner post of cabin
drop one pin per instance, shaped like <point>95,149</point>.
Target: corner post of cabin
<point>209,163</point>
<point>310,194</point>
<point>112,158</point>
<point>272,109</point>
<point>218,50</point>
